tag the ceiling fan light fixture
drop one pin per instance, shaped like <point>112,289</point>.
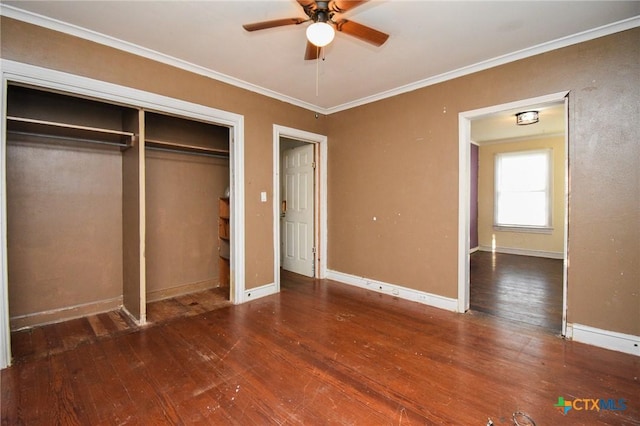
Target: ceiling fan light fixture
<point>320,34</point>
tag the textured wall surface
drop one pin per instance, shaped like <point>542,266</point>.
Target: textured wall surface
<point>393,198</point>
<point>393,164</point>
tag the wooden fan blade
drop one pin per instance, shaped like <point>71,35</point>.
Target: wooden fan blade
<point>362,32</point>
<point>307,3</point>
<point>271,24</point>
<point>311,52</point>
<point>341,6</point>
<point>309,7</point>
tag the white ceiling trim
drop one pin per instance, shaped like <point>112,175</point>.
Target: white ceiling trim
<point>500,60</point>
<point>56,25</point>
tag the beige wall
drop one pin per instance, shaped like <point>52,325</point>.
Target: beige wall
<point>64,230</point>
<point>397,160</point>
<point>182,193</point>
<point>546,244</point>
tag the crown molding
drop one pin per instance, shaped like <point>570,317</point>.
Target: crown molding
<point>591,34</point>
<point>74,30</point>
<point>86,34</point>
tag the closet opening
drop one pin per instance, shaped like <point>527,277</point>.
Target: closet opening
<point>64,177</point>
<point>114,216</point>
<point>187,215</point>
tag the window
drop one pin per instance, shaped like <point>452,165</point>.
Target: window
<point>523,190</point>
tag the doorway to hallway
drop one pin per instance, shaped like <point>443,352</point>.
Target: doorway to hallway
<point>299,202</point>
<point>502,241</point>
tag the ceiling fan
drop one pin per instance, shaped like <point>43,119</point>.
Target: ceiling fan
<point>321,32</point>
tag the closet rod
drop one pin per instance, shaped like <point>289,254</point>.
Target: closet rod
<point>181,151</point>
<point>67,138</point>
<point>180,146</point>
<point>35,123</point>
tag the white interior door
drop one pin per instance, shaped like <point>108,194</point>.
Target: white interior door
<point>297,212</point>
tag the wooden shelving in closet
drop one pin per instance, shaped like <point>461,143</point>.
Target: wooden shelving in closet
<point>170,133</point>
<point>194,149</point>
<point>54,117</point>
<point>68,132</point>
<point>224,235</point>
<point>109,206</point>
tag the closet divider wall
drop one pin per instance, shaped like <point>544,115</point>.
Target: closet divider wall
<point>86,199</point>
<point>133,221</point>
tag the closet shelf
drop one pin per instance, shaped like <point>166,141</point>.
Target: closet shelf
<point>224,247</point>
<point>194,149</point>
<point>68,132</point>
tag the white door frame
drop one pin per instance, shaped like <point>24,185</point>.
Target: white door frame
<point>464,154</point>
<point>17,72</point>
<point>320,204</point>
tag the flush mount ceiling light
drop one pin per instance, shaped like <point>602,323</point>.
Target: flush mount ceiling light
<point>526,117</point>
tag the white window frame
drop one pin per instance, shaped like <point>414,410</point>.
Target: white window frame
<point>546,228</point>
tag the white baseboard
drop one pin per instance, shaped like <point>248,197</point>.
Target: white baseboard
<point>53,316</point>
<point>524,252</point>
<point>612,340</point>
<point>473,250</point>
<point>395,290</point>
<point>140,322</point>
<point>258,292</point>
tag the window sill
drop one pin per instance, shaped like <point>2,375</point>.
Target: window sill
<point>525,229</point>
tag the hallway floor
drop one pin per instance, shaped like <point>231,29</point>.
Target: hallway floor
<point>524,289</point>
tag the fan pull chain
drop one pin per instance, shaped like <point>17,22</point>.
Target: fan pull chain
<point>320,50</point>
<point>317,71</point>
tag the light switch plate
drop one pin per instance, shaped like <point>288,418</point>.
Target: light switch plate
<point>263,196</point>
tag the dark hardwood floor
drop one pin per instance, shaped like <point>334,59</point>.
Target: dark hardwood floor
<point>321,352</point>
<point>51,339</point>
<point>524,289</point>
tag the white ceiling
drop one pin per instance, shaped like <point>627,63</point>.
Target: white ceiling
<point>429,41</point>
